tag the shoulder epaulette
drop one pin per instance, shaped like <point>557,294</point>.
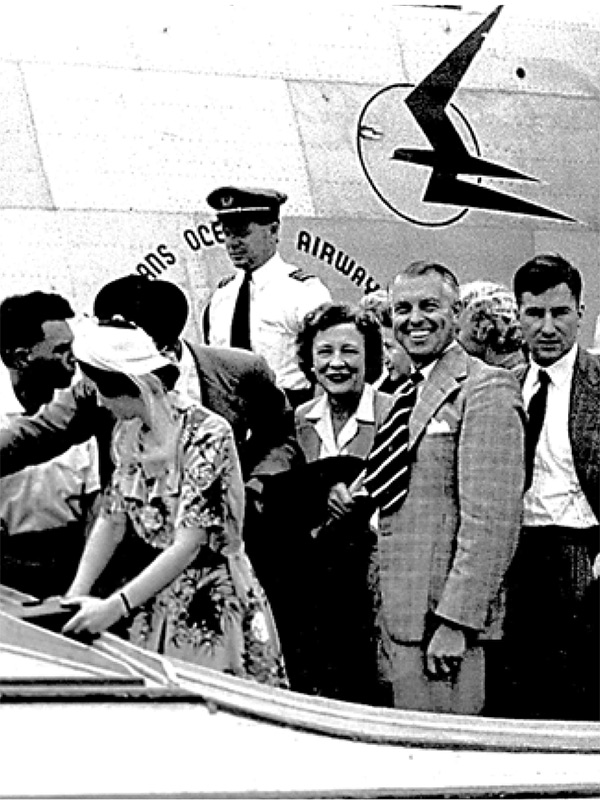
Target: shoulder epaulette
<point>301,275</point>
<point>224,281</point>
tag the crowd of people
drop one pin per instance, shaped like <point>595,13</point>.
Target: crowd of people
<point>394,503</point>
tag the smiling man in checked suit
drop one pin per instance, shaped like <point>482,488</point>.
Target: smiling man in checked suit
<point>445,551</point>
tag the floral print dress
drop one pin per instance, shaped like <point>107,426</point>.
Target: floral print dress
<point>214,613</point>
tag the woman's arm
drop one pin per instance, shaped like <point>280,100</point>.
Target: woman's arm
<point>106,533</point>
<point>166,566</point>
<point>96,615</point>
<point>210,502</point>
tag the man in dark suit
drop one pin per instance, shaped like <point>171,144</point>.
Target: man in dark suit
<point>445,550</point>
<point>553,608</point>
<point>234,383</point>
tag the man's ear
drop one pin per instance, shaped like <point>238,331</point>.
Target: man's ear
<point>19,357</point>
<point>457,308</point>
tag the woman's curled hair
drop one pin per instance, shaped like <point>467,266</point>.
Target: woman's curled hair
<point>329,315</point>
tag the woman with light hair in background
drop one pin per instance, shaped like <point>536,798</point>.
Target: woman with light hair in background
<point>488,325</point>
<point>396,361</point>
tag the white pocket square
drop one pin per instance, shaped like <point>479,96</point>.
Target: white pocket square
<point>438,426</point>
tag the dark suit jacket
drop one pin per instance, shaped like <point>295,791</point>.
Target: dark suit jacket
<point>235,384</point>
<point>584,424</point>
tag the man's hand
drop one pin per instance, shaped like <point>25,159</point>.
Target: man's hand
<point>445,653</point>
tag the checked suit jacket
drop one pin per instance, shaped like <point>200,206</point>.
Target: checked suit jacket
<point>445,552</point>
<point>584,424</point>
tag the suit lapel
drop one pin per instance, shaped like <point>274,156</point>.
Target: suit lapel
<point>306,433</point>
<point>210,378</point>
<point>445,380</point>
<point>361,444</point>
<point>583,409</point>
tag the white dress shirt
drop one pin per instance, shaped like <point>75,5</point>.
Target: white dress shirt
<point>49,495</point>
<point>555,496</point>
<point>188,382</point>
<point>278,304</point>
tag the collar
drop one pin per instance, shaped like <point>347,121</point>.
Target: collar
<point>365,411</point>
<point>180,394</point>
<point>9,403</point>
<point>270,270</point>
<point>426,371</point>
<point>560,372</point>
<point>186,360</point>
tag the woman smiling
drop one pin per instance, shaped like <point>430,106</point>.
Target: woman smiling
<point>334,637</point>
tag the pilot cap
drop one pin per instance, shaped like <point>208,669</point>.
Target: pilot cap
<point>234,204</point>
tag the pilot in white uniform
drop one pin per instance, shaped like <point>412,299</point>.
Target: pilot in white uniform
<point>262,306</point>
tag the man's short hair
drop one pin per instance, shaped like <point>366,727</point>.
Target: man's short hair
<point>418,268</point>
<point>159,307</point>
<point>545,271</point>
<point>22,317</point>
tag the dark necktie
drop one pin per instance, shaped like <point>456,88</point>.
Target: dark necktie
<point>240,321</point>
<point>386,473</point>
<point>536,411</point>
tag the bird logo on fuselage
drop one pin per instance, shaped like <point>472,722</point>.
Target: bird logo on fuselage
<point>447,158</point>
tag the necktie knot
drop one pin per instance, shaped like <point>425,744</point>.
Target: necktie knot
<point>416,377</point>
<point>543,378</point>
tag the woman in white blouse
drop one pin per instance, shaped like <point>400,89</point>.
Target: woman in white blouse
<point>332,579</point>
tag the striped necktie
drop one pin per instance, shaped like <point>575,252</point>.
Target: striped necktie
<point>536,411</point>
<point>386,473</point>
<point>240,321</point>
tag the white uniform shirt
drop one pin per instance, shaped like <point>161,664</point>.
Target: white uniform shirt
<point>555,496</point>
<point>49,495</point>
<point>278,304</point>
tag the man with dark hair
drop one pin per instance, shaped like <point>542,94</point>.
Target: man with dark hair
<point>553,609</point>
<point>35,345</point>
<point>450,520</point>
<point>234,383</point>
<point>262,307</point>
<point>44,509</point>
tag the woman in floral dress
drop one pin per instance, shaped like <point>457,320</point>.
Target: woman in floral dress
<point>177,490</point>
